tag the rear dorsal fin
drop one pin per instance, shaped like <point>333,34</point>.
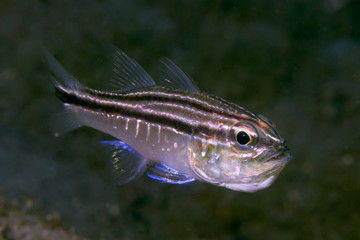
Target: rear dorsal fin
<point>171,76</point>
<point>127,73</point>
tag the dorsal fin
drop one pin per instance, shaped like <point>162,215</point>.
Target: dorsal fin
<point>171,76</point>
<point>127,73</point>
<point>164,173</point>
<point>127,163</point>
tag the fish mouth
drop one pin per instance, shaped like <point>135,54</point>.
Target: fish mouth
<point>281,157</point>
<point>263,179</point>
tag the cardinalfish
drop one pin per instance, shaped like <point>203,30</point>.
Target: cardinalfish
<point>173,131</point>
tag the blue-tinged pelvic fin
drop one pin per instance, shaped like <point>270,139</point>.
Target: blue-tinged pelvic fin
<point>127,73</point>
<point>127,163</point>
<point>171,76</point>
<point>167,174</point>
<point>62,78</point>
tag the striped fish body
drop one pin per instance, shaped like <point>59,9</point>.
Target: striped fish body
<point>181,133</point>
<point>161,124</point>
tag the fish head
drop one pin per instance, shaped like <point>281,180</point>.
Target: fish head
<point>247,157</point>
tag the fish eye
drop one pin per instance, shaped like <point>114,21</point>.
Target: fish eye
<point>243,138</point>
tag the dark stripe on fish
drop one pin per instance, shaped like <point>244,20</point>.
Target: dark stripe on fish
<point>171,97</point>
<point>85,101</point>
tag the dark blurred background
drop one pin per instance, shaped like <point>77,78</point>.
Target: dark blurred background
<point>296,62</point>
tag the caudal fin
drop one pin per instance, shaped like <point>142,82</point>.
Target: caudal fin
<point>62,79</point>
<point>65,85</point>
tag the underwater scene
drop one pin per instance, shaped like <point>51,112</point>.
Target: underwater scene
<point>140,119</point>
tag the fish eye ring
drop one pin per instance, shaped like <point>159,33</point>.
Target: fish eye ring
<point>244,135</point>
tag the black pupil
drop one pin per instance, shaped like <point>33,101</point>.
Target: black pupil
<point>242,137</point>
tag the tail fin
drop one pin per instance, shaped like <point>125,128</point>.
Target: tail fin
<point>62,79</point>
<point>65,84</point>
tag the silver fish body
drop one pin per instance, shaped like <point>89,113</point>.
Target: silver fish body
<point>174,131</point>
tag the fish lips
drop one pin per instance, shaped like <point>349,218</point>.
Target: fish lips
<point>282,156</point>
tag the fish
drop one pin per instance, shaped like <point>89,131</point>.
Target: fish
<point>171,130</point>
